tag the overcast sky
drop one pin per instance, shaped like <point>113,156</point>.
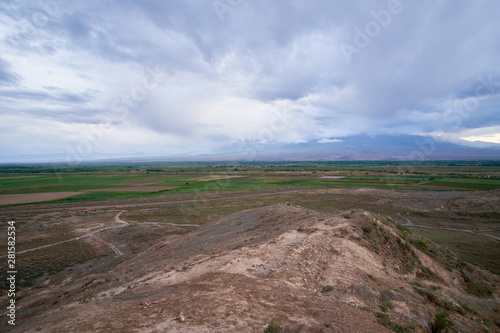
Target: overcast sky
<point>188,76</point>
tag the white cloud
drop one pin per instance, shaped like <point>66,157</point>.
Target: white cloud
<point>325,140</point>
<point>485,134</point>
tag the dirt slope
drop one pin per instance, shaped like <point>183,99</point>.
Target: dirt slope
<point>304,270</point>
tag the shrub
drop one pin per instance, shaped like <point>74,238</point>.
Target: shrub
<point>442,322</point>
<point>383,318</point>
<point>272,327</point>
<point>327,288</point>
<point>403,329</point>
<point>367,229</point>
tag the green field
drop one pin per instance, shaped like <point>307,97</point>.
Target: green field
<point>463,176</point>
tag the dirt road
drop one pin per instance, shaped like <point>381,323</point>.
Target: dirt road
<point>409,223</point>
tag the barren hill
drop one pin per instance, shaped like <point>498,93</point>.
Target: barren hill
<point>302,270</point>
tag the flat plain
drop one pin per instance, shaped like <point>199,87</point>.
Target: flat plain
<point>451,204</point>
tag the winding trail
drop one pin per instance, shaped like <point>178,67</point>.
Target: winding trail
<point>121,224</point>
<point>409,223</point>
<point>117,219</point>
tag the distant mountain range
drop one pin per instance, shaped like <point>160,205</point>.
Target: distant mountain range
<point>357,147</point>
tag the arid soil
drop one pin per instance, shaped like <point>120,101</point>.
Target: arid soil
<point>11,199</point>
<point>304,270</point>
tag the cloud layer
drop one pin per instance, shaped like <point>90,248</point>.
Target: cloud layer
<point>173,77</point>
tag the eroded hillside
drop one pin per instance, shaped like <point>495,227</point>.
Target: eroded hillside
<point>300,269</point>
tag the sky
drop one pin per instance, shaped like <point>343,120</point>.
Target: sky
<point>173,77</point>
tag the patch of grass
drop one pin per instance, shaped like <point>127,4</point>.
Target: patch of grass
<point>420,244</point>
<point>386,306</point>
<point>383,318</point>
<point>272,328</point>
<point>482,251</point>
<point>403,329</point>
<point>478,184</point>
<point>479,289</point>
<point>467,308</point>
<point>416,284</point>
<point>448,305</point>
<point>372,277</point>
<point>327,288</point>
<point>87,297</point>
<point>403,229</point>
<point>486,322</point>
<point>427,273</point>
<point>429,295</point>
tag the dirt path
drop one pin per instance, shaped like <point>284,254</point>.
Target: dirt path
<point>117,219</point>
<point>121,224</point>
<point>409,223</point>
<point>114,248</point>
